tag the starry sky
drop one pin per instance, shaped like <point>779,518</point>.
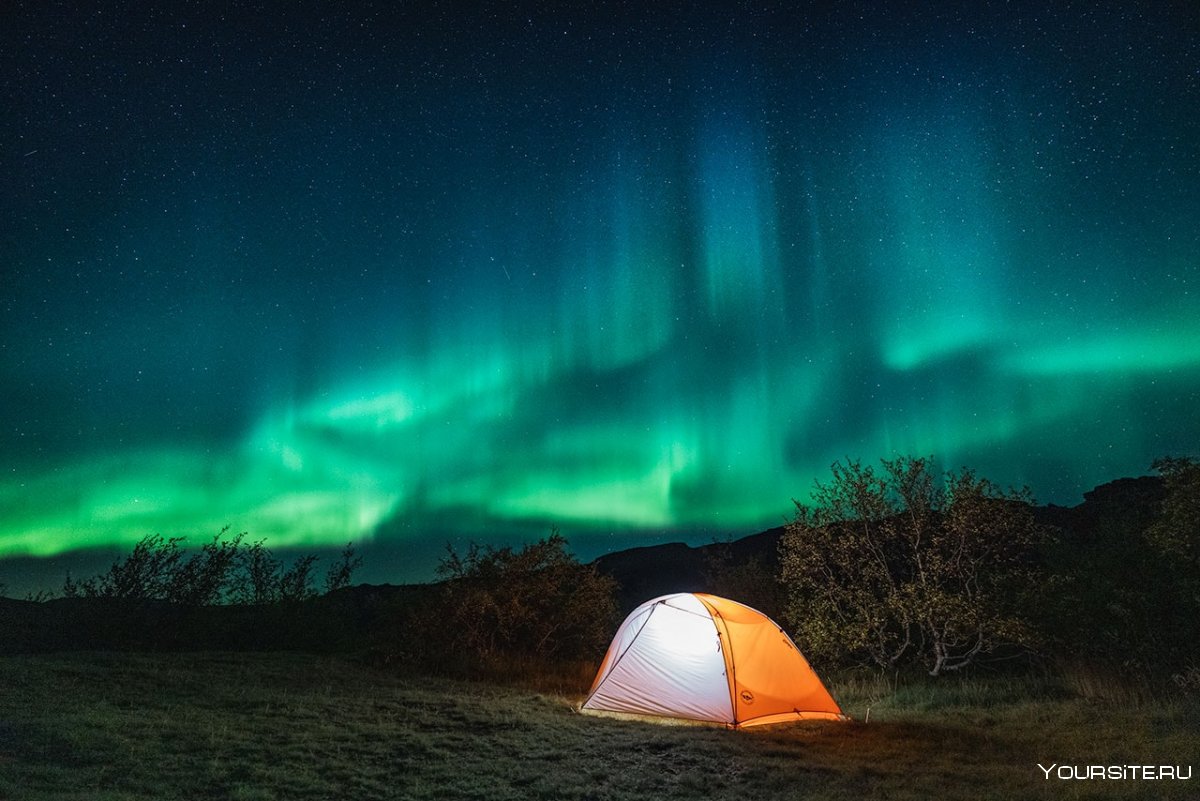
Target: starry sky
<point>342,271</point>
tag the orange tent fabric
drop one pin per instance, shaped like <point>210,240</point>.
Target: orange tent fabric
<point>703,657</point>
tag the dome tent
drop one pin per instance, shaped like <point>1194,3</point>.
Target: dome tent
<point>705,658</point>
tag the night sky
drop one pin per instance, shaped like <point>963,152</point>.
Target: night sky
<point>336,271</point>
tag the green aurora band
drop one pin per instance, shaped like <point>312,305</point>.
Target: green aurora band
<point>668,315</point>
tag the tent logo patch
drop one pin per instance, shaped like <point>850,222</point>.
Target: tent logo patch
<point>747,697</point>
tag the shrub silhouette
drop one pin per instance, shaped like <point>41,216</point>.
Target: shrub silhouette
<point>223,570</point>
<point>752,580</point>
<point>1130,576</point>
<point>146,574</point>
<point>504,609</point>
<point>256,581</point>
<point>895,566</point>
<point>340,572</point>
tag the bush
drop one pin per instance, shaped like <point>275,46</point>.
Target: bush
<point>750,580</point>
<point>1176,532</point>
<point>896,567</point>
<point>1131,577</point>
<point>1175,539</point>
<point>224,570</point>
<point>499,608</point>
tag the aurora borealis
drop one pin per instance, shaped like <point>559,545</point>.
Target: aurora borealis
<point>326,272</point>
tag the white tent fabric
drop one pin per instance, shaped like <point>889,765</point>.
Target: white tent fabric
<point>677,666</point>
<point>705,658</point>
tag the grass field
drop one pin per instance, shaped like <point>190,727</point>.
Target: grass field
<point>289,726</point>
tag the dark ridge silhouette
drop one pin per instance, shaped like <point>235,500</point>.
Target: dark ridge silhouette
<point>349,618</point>
<point>644,573</point>
<point>1124,504</point>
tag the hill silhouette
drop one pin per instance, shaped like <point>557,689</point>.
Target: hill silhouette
<point>349,618</point>
<point>1126,504</point>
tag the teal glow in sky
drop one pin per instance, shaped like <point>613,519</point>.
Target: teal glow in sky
<point>355,273</point>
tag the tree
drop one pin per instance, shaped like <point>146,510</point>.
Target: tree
<point>499,605</point>
<point>203,578</point>
<point>222,570</point>
<point>296,583</point>
<point>978,583</point>
<point>894,566</point>
<point>256,581</point>
<point>148,573</point>
<point>1128,573</point>
<point>844,596</point>
<point>1174,537</point>
<point>751,579</point>
<point>1177,530</point>
<point>261,579</point>
<point>340,572</point>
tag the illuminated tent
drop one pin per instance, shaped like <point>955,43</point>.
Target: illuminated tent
<point>705,658</point>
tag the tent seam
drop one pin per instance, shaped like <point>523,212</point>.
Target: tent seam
<point>715,615</point>
<point>617,661</point>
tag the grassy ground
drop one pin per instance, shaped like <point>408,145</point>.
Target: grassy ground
<point>287,726</point>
